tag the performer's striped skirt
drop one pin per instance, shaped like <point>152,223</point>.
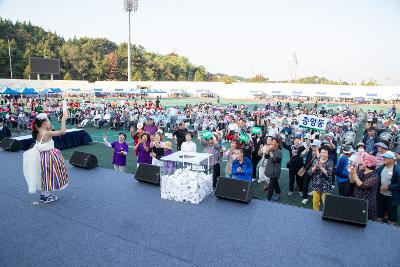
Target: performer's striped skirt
<point>54,172</point>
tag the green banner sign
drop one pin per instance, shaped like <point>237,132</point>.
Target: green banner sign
<point>256,130</point>
<point>206,135</point>
<point>244,138</point>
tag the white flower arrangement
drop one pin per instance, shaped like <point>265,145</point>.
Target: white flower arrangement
<point>42,116</point>
<point>186,185</point>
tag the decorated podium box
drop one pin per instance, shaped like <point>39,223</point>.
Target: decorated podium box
<point>186,176</point>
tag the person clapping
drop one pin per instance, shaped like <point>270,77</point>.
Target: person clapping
<point>242,168</point>
<point>143,149</point>
<point>365,179</point>
<point>157,150</point>
<point>273,155</point>
<point>388,197</point>
<point>321,172</point>
<point>212,146</point>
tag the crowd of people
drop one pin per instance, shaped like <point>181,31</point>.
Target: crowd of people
<point>252,140</point>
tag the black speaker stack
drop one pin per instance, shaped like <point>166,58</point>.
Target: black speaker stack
<point>11,145</point>
<point>346,210</point>
<point>233,189</point>
<point>83,160</point>
<point>148,173</point>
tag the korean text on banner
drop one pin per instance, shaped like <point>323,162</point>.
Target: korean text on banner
<point>313,122</point>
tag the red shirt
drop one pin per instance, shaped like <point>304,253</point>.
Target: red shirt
<point>136,137</point>
<point>230,137</point>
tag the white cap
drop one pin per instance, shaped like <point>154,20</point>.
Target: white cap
<point>316,143</point>
<point>330,134</point>
<point>389,155</point>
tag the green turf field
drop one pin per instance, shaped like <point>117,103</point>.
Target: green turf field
<point>181,102</point>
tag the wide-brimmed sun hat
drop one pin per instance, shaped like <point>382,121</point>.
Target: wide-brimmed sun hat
<point>168,145</point>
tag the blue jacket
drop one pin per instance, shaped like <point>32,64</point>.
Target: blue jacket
<point>342,174</point>
<point>394,186</point>
<point>247,169</point>
<point>376,140</point>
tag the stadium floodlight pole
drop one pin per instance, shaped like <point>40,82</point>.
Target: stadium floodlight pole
<point>295,63</point>
<point>9,54</point>
<point>129,6</point>
<point>323,72</point>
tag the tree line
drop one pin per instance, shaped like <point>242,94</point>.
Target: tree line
<point>99,59</point>
<point>90,58</point>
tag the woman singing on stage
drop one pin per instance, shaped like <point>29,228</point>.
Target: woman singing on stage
<point>44,167</point>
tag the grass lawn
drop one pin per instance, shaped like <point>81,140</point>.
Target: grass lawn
<point>181,102</point>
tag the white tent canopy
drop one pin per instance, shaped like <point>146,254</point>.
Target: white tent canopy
<point>236,90</point>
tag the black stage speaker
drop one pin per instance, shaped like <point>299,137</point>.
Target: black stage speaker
<point>233,189</point>
<point>10,144</point>
<point>148,173</point>
<point>83,160</point>
<point>346,210</point>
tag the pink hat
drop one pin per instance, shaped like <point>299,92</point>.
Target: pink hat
<point>370,161</point>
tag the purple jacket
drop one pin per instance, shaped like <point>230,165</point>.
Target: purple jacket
<point>119,159</point>
<point>143,155</point>
<point>151,129</point>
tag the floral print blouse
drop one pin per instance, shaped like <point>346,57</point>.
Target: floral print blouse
<point>321,182</point>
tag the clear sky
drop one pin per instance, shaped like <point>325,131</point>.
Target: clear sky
<point>343,39</point>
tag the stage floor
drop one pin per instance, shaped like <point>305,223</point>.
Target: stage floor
<point>107,218</point>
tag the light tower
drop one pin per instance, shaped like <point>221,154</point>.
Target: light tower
<point>295,63</point>
<point>129,6</point>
